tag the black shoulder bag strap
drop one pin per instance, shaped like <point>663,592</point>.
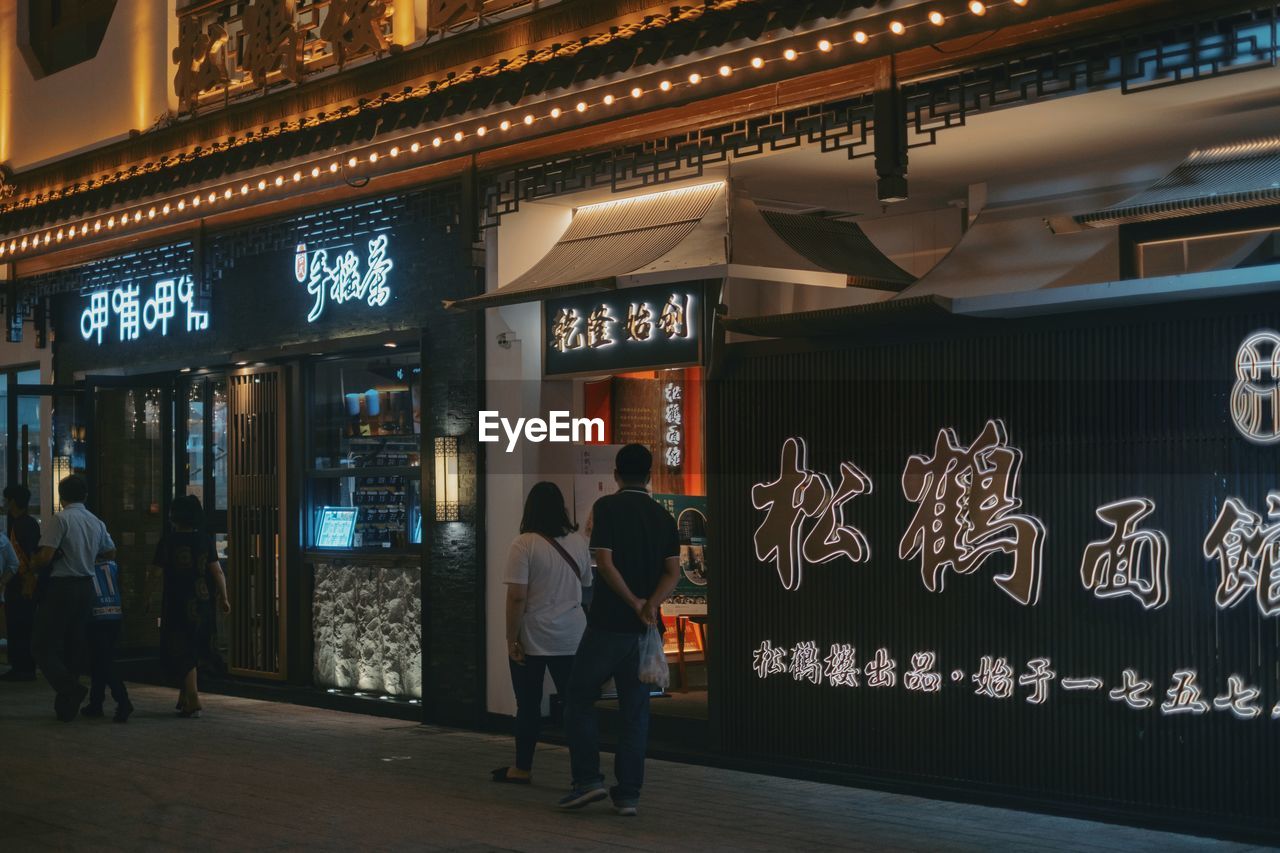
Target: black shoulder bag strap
<point>573,564</point>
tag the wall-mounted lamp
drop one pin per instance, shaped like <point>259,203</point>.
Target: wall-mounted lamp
<point>447,479</point>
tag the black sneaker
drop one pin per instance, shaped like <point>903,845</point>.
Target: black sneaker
<point>579,797</point>
<point>91,711</point>
<point>67,705</point>
<point>123,710</point>
<point>624,806</point>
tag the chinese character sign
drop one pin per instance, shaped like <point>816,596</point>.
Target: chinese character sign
<point>968,511</point>
<point>342,279</point>
<point>130,312</point>
<point>631,328</point>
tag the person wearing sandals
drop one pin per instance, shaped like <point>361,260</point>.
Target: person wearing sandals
<point>188,563</point>
<point>547,569</point>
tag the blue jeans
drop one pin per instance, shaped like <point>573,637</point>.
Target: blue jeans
<point>603,655</point>
<point>527,680</point>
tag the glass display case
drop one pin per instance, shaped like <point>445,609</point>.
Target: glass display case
<point>365,452</point>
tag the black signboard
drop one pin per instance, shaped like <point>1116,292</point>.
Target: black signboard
<point>629,329</point>
<point>1038,557</point>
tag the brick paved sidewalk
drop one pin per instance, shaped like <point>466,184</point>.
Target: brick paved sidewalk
<point>255,775</point>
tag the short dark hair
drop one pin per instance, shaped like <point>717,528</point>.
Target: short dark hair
<point>18,495</point>
<point>633,463</point>
<point>187,511</point>
<point>545,513</point>
<point>73,489</point>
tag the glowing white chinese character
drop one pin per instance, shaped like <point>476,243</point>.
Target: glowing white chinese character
<point>161,308</point>
<point>880,670</point>
<point>375,277</point>
<point>96,317</point>
<point>806,663</point>
<point>124,301</point>
<point>197,321</point>
<point>1038,679</point>
<point>921,677</point>
<point>767,660</point>
<point>672,457</point>
<point>1133,691</point>
<point>994,678</point>
<point>1114,566</point>
<point>842,665</point>
<point>1240,699</point>
<point>1184,696</point>
<point>672,393</point>
<point>1248,554</point>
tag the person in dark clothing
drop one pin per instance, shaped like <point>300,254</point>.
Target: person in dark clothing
<point>188,562</point>
<point>104,631</point>
<point>19,593</point>
<point>637,551</point>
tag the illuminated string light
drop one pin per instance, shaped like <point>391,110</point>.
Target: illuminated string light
<point>505,125</point>
<point>757,63</point>
<point>481,130</point>
<point>937,18</point>
<point>555,112</point>
<point>415,147</point>
<point>581,106</point>
<point>435,143</point>
<point>458,136</point>
<point>195,201</point>
<point>608,100</point>
<point>824,45</point>
<point>373,158</point>
<point>151,214</point>
<point>636,91</point>
<point>977,7</point>
<point>724,70</point>
<point>395,151</point>
<point>528,118</point>
<point>227,194</point>
<point>353,162</point>
<point>279,180</point>
<point>262,185</point>
<point>1020,3</point>
<point>315,171</point>
<point>860,37</point>
<point>897,28</point>
<point>137,217</point>
<point>695,78</point>
<point>297,176</point>
<point>244,189</point>
<point>182,204</point>
<point>789,54</point>
<point>60,235</point>
<point>333,167</point>
<point>165,210</point>
<point>665,85</point>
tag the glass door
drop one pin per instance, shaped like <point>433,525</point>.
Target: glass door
<point>130,453</point>
<point>43,435</point>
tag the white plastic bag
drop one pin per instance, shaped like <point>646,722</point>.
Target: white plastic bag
<point>653,660</point>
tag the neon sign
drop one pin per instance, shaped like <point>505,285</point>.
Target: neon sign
<point>341,281</point>
<point>1255,398</point>
<point>642,327</point>
<point>135,316</point>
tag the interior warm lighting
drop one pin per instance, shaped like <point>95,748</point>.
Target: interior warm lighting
<point>695,78</point>
<point>937,18</point>
<point>789,54</point>
<point>446,453</point>
<point>757,63</point>
<point>860,37</point>
<point>977,7</point>
<point>897,28</point>
<point>824,46</point>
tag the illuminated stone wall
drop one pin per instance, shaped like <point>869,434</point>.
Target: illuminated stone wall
<point>368,629</point>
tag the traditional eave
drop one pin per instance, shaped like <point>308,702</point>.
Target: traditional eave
<point>374,138</point>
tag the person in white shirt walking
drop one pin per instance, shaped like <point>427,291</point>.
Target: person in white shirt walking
<point>547,569</point>
<point>71,544</point>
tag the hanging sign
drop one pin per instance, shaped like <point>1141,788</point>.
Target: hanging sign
<point>627,329</point>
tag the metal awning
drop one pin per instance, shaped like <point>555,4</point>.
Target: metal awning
<point>842,322</point>
<point>1210,180</point>
<point>605,241</point>
<point>839,247</point>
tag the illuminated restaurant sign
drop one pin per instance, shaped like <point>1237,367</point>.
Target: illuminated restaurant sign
<point>627,329</point>
<point>128,313</point>
<point>341,279</point>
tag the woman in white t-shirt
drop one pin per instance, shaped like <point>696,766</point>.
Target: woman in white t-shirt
<point>548,567</point>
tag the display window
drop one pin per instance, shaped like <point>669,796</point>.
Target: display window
<point>363,488</point>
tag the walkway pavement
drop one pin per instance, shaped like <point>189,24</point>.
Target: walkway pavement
<point>255,775</point>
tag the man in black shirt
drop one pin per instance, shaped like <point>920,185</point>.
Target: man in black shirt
<point>19,603</point>
<point>637,552</point>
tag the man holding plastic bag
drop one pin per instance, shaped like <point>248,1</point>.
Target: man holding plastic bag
<point>637,552</point>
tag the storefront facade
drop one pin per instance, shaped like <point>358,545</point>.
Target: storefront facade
<point>1025,559</point>
<point>299,377</point>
